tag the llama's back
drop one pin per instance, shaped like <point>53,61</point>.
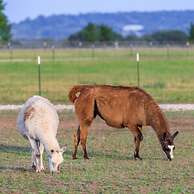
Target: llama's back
<point>37,117</point>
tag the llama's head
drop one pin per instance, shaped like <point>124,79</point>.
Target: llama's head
<point>55,159</point>
<point>167,142</point>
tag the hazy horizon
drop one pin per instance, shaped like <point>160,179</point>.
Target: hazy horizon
<point>77,14</point>
<point>32,9</point>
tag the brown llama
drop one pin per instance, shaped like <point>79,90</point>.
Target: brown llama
<point>119,107</point>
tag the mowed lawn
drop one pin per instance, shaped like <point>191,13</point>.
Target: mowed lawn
<point>167,73</point>
<point>111,168</point>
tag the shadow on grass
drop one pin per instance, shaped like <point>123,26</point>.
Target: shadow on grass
<point>15,168</point>
<point>20,149</point>
<point>14,149</point>
<point>100,154</point>
<point>115,155</point>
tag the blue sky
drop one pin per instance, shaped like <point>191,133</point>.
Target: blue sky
<point>18,10</point>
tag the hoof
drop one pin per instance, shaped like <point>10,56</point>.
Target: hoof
<point>42,168</point>
<point>38,170</point>
<point>34,166</point>
<point>137,157</point>
<point>74,157</point>
<point>86,157</point>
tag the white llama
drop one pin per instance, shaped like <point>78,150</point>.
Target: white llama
<point>38,122</point>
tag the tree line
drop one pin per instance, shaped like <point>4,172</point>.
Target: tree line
<point>100,33</point>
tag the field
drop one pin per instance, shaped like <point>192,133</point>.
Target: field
<point>111,168</point>
<point>167,73</point>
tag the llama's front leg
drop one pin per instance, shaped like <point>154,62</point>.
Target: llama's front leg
<point>76,143</point>
<point>38,156</point>
<point>41,148</point>
<point>138,137</point>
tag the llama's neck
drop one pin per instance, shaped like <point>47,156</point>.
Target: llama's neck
<point>159,123</point>
<point>50,143</point>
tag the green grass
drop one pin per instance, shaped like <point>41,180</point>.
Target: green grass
<point>169,78</point>
<point>111,168</point>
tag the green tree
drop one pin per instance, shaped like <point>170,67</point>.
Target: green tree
<point>5,27</point>
<point>191,32</point>
<point>167,36</point>
<point>107,34</point>
<point>94,33</point>
<point>132,38</point>
<point>91,33</point>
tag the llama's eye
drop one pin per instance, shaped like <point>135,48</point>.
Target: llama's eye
<point>167,149</point>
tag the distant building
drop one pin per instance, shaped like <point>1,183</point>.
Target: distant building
<point>132,29</point>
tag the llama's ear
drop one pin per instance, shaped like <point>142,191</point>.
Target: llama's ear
<point>63,149</point>
<point>175,134</point>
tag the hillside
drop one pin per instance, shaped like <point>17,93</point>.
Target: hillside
<point>61,26</point>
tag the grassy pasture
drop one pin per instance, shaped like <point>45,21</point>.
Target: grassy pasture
<point>167,73</point>
<point>111,168</point>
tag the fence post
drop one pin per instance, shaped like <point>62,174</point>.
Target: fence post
<point>39,76</point>
<point>53,53</point>
<point>93,50</point>
<point>11,54</point>
<point>167,51</point>
<point>10,51</point>
<point>188,48</point>
<point>138,76</point>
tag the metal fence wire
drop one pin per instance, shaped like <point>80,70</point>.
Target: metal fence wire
<point>159,68</point>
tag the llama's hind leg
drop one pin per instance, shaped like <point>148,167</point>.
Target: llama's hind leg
<point>39,152</point>
<point>83,139</point>
<point>138,137</point>
<point>76,143</point>
<point>34,150</point>
<point>36,156</point>
<point>85,110</point>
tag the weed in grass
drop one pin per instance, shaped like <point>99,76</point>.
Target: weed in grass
<point>157,85</point>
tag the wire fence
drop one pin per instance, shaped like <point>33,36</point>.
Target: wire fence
<point>166,71</point>
<point>47,43</point>
<point>88,50</point>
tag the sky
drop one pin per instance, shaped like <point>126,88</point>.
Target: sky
<point>18,10</point>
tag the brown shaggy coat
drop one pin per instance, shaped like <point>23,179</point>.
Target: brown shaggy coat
<point>119,107</point>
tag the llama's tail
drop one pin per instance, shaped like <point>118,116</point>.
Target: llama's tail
<point>75,92</point>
